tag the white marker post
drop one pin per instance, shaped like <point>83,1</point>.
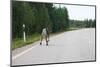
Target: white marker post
<point>24,35</point>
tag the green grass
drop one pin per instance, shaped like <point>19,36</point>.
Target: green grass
<point>71,29</point>
<point>18,42</point>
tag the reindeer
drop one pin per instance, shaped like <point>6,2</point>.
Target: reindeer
<point>45,35</point>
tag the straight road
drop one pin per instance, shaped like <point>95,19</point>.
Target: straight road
<point>77,45</point>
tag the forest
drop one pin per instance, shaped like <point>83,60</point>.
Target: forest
<point>36,16</point>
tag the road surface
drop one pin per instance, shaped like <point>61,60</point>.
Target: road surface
<point>77,45</point>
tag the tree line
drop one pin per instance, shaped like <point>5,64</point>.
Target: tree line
<point>35,16</point>
<point>86,23</point>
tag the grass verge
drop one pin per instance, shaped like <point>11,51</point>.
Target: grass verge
<point>18,42</point>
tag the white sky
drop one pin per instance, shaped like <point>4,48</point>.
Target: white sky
<point>77,12</point>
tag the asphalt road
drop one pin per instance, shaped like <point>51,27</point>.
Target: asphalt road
<point>77,45</point>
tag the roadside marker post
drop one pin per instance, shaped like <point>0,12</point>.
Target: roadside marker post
<point>24,34</point>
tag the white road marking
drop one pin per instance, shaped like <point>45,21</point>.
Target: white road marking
<point>22,53</point>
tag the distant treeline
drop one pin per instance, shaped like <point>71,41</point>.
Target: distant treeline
<point>87,23</point>
<point>36,16</point>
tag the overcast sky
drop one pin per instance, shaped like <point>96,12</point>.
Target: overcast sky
<point>77,12</point>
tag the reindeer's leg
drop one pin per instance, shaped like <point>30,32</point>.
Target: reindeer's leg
<point>48,37</point>
<point>46,40</point>
<point>41,39</point>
